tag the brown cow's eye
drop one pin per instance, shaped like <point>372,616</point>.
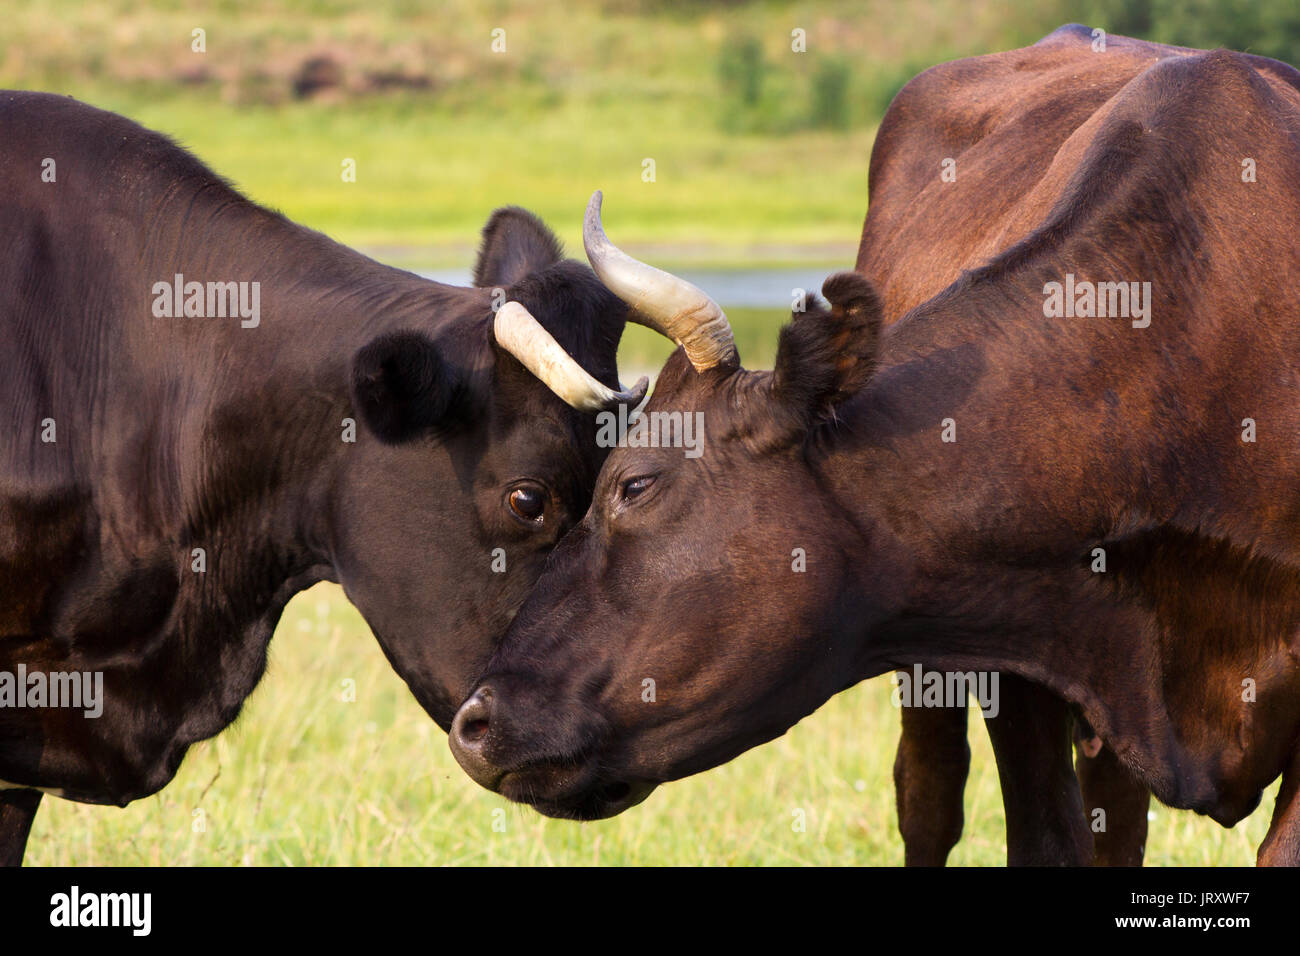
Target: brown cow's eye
<point>528,503</point>
<point>635,487</point>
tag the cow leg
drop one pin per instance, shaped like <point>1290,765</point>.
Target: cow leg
<point>929,780</point>
<point>1119,833</point>
<point>1281,846</point>
<point>17,811</point>
<point>1044,809</point>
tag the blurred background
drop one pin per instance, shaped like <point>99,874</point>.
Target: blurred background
<point>451,108</point>
<point>727,154</point>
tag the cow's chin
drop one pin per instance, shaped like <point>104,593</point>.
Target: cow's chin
<point>568,793</point>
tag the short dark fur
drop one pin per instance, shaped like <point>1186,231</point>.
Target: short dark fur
<point>368,431</point>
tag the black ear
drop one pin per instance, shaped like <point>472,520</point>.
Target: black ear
<point>826,355</point>
<point>401,386</point>
<point>515,244</point>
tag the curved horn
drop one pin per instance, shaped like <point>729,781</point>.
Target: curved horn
<point>524,337</point>
<point>659,300</point>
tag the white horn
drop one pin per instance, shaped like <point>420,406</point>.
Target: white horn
<point>524,337</point>
<point>659,300</point>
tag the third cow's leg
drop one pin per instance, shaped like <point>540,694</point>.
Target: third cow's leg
<point>1031,736</point>
<point>929,780</point>
<point>1119,831</point>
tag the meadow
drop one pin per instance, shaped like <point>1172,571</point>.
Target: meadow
<point>759,158</point>
<point>732,132</point>
<point>309,777</point>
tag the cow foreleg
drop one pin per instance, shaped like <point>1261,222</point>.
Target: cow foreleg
<point>929,779</point>
<point>1040,793</point>
<point>1119,831</point>
<point>1281,846</point>
<point>17,811</point>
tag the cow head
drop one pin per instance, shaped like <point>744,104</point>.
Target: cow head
<point>672,628</point>
<point>475,452</point>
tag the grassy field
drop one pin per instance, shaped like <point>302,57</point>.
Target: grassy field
<point>425,185</point>
<point>306,778</point>
<point>760,152</point>
<point>758,116</point>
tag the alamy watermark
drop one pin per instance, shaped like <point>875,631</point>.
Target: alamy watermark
<point>1084,299</point>
<point>651,430</point>
<point>208,300</point>
<point>79,690</point>
<point>133,911</point>
<point>926,688</point>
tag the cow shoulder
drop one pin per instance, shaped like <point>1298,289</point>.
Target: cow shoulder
<point>1045,90</point>
<point>1167,148</point>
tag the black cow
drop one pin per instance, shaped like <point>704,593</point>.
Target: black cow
<point>1075,464</point>
<point>207,408</point>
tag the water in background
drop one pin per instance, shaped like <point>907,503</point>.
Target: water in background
<point>730,288</point>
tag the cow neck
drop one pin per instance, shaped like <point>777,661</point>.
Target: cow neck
<point>265,406</point>
<point>976,560</point>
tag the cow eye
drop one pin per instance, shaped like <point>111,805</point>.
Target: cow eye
<point>635,487</point>
<point>528,503</point>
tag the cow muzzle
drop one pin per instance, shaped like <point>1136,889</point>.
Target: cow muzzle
<point>549,768</point>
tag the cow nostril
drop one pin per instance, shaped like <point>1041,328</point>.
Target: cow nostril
<point>473,720</point>
<point>470,737</point>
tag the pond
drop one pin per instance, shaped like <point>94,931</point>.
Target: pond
<point>757,303</point>
<point>730,288</point>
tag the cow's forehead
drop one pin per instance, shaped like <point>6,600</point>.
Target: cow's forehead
<point>543,439</point>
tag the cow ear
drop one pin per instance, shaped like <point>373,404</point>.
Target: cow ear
<point>826,354</point>
<point>515,244</point>
<point>401,386</point>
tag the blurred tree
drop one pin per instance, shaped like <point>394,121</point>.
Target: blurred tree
<point>830,94</point>
<point>1266,27</point>
<point>1129,18</point>
<point>740,70</point>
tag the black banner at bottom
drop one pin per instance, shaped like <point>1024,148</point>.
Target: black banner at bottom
<point>623,906</point>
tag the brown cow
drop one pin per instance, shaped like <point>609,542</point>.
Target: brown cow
<point>953,175</point>
<point>958,476</point>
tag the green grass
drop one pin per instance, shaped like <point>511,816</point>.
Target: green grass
<point>304,778</point>
<point>426,184</point>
